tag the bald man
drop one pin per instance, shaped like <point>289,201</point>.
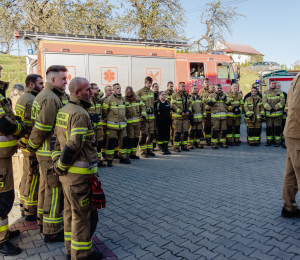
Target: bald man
<point>75,160</point>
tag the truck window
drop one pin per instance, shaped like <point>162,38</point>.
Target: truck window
<point>225,71</point>
<point>197,70</point>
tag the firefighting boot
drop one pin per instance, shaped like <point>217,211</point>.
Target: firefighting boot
<point>167,149</point>
<point>208,143</point>
<point>185,149</point>
<point>150,153</point>
<point>284,145</point>
<point>215,146</point>
<point>68,256</point>
<point>224,146</point>
<point>59,237</point>
<point>125,161</point>
<point>134,157</point>
<point>96,255</point>
<point>200,146</point>
<point>13,233</point>
<point>230,143</point>
<point>237,144</point>
<point>109,163</point>
<point>41,229</point>
<point>30,218</point>
<point>288,214</point>
<point>268,144</point>
<point>145,155</point>
<point>177,150</point>
<point>8,249</point>
<point>101,164</point>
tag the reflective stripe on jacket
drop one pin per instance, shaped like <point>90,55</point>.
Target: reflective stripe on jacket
<point>96,109</point>
<point>198,108</point>
<point>253,107</point>
<point>273,98</point>
<point>147,97</point>
<point>219,107</point>
<point>180,102</point>
<point>135,108</point>
<point>236,100</point>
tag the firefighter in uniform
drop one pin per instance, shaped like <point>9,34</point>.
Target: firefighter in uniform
<point>147,126</point>
<point>96,89</point>
<point>234,115</point>
<point>10,128</point>
<point>284,116</point>
<point>155,89</point>
<point>75,160</point>
<point>135,113</point>
<point>29,185</point>
<point>65,98</point>
<point>44,109</point>
<point>96,111</point>
<point>254,110</point>
<point>207,123</point>
<point>197,116</point>
<point>108,92</point>
<point>181,106</point>
<point>218,102</point>
<point>169,92</point>
<point>115,112</point>
<point>274,103</point>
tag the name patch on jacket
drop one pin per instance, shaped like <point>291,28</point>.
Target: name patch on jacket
<point>1,184</point>
<point>62,119</point>
<point>85,202</point>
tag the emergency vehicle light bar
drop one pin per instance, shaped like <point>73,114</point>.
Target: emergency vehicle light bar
<point>116,40</point>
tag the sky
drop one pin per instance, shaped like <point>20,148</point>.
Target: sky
<point>269,26</point>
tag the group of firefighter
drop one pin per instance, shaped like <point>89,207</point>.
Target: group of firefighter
<point>65,138</point>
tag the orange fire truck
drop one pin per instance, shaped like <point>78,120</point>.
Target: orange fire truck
<point>107,60</point>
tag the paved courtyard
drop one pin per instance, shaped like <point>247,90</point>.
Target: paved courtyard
<point>203,204</point>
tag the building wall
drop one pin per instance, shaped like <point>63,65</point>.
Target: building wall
<point>238,57</point>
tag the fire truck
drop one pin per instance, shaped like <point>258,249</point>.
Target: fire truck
<point>107,60</point>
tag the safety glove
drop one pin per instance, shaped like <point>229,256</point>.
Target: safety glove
<point>56,169</point>
<point>251,118</point>
<point>272,110</point>
<point>98,198</point>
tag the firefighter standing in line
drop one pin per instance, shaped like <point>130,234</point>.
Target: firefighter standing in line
<point>205,87</point>
<point>197,117</point>
<point>147,126</point>
<point>291,178</point>
<point>274,103</point>
<point>181,106</point>
<point>284,116</point>
<point>155,89</point>
<point>163,122</point>
<point>65,98</point>
<point>44,109</point>
<point>207,123</point>
<point>169,92</point>
<point>95,88</point>
<point>218,102</point>
<point>115,111</point>
<point>10,128</point>
<point>108,92</point>
<point>135,113</point>
<point>29,185</point>
<point>75,160</point>
<point>96,111</point>
<point>254,110</point>
<point>234,115</point>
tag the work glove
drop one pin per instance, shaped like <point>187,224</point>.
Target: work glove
<point>217,98</point>
<point>21,143</point>
<point>272,110</point>
<point>225,98</point>
<point>56,169</point>
<point>98,198</point>
<point>150,110</point>
<point>143,117</point>
<point>236,112</point>
<point>251,118</point>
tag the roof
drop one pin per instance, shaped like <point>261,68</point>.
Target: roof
<point>242,48</point>
<point>97,39</point>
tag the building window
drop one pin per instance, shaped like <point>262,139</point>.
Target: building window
<point>197,70</point>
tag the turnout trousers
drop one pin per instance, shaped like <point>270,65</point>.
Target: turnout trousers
<point>146,136</point>
<point>29,185</point>
<point>163,134</point>
<point>104,129</point>
<point>219,127</point>
<point>291,178</point>
<point>195,134</point>
<point>79,218</point>
<point>282,129</point>
<point>207,128</point>
<point>7,195</point>
<point>274,129</point>
<point>49,198</point>
<point>114,135</point>
<point>254,131</point>
<point>133,133</point>
<point>233,129</point>
<point>180,126</point>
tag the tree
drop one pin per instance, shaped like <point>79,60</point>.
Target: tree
<point>256,58</point>
<point>297,65</point>
<point>154,19</point>
<point>217,19</point>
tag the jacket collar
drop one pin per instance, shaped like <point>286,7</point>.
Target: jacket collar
<point>146,89</point>
<point>117,96</point>
<point>53,88</point>
<point>80,101</point>
<point>32,91</point>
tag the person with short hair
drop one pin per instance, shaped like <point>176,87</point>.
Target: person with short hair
<point>97,90</point>
<point>169,92</point>
<point>207,123</point>
<point>16,91</point>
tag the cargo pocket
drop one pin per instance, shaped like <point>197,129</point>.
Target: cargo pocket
<point>52,180</point>
<point>3,172</point>
<point>81,196</point>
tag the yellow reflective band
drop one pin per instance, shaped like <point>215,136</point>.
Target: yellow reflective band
<point>43,153</point>
<point>4,228</point>
<point>42,127</point>
<point>79,170</point>
<point>52,220</point>
<point>53,202</point>
<point>2,111</point>
<point>33,145</point>
<point>81,245</point>
<point>90,132</point>
<point>31,203</point>
<point>40,211</point>
<point>62,167</point>
<point>8,143</point>
<point>56,153</point>
<point>79,131</point>
<point>32,187</point>
<point>68,236</point>
<point>1,184</point>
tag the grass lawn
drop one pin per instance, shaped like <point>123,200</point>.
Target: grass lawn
<point>248,77</point>
<point>14,70</point>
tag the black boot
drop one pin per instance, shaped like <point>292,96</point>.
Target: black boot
<point>13,233</point>
<point>288,214</point>
<point>8,249</point>
<point>109,164</point>
<point>41,229</point>
<point>167,149</point>
<point>101,164</point>
<point>125,161</point>
<point>96,255</point>
<point>162,149</point>
<point>135,157</point>
<point>68,256</point>
<point>150,153</point>
<point>59,237</point>
<point>30,218</point>
<point>268,144</point>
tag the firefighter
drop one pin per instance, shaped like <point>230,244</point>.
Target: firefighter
<point>115,112</point>
<point>155,89</point>
<point>274,103</point>
<point>29,185</point>
<point>163,122</point>
<point>197,116</point>
<point>44,109</point>
<point>205,87</point>
<point>291,178</point>
<point>65,98</point>
<point>207,123</point>
<point>97,90</point>
<point>147,126</point>
<point>218,102</point>
<point>254,110</point>
<point>108,92</point>
<point>16,91</point>
<point>234,115</point>
<point>96,112</point>
<point>135,113</point>
<point>169,92</point>
<point>284,116</point>
<point>75,160</point>
<point>10,130</point>
<point>181,106</point>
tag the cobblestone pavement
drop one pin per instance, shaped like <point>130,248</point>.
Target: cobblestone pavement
<point>203,204</point>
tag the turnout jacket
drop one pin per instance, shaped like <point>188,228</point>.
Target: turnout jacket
<point>198,108</point>
<point>273,98</point>
<point>104,124</point>
<point>23,110</point>
<point>236,100</point>
<point>75,148</point>
<point>115,112</point>
<point>218,106</point>
<point>96,111</point>
<point>180,102</point>
<point>203,91</point>
<point>254,107</point>
<point>147,96</point>
<point>65,98</point>
<point>43,116</point>
<point>135,109</point>
<point>205,97</point>
<point>162,113</point>
<point>169,94</point>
